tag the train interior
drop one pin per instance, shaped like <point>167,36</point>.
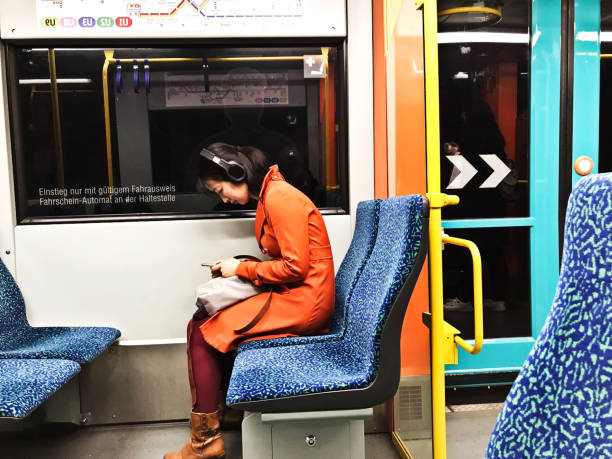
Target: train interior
<point>488,108</point>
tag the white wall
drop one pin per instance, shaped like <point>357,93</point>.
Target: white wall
<point>139,276</point>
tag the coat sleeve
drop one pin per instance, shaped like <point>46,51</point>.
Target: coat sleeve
<point>288,218</point>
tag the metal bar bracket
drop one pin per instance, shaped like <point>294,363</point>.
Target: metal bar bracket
<point>439,200</point>
<point>449,352</point>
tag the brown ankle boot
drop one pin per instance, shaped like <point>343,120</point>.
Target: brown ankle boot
<point>205,441</point>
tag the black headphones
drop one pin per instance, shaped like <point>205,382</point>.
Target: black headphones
<point>233,170</point>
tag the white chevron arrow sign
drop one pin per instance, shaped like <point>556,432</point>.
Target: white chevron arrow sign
<point>463,171</point>
<point>466,172</point>
<point>500,170</point>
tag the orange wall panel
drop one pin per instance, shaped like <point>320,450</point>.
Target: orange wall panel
<point>410,178</point>
<point>381,186</point>
<point>399,80</point>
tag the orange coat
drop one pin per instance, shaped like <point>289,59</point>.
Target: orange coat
<point>295,237</point>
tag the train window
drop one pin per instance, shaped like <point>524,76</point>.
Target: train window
<point>484,108</point>
<point>605,102</point>
<point>505,281</point>
<point>114,133</point>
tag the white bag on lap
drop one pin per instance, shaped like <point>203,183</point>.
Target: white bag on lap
<point>221,292</point>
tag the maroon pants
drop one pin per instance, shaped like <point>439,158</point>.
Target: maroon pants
<point>209,370</point>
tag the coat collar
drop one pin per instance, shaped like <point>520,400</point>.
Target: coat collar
<point>273,175</point>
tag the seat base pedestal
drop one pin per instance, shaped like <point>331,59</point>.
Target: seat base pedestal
<point>305,435</point>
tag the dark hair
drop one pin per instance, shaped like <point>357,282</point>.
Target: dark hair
<point>252,159</point>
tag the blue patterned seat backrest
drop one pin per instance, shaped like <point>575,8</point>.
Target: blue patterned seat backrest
<point>366,228</point>
<point>561,403</point>
<point>394,254</point>
<point>12,306</point>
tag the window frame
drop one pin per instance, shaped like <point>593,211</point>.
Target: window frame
<point>16,134</point>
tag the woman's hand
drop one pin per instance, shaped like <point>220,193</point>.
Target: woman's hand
<point>227,267</point>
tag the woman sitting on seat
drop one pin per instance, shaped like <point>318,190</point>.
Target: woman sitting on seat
<point>290,230</point>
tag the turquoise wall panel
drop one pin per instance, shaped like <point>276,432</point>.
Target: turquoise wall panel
<point>545,89</point>
<point>585,130</point>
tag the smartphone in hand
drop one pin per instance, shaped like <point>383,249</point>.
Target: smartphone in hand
<point>215,273</point>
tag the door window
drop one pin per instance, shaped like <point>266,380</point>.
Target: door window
<point>484,129</point>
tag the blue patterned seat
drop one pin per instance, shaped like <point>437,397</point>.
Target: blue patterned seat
<point>560,406</point>
<point>366,227</point>
<point>26,383</point>
<point>362,368</point>
<point>19,340</point>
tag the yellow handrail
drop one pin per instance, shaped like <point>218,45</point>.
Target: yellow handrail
<point>477,273</point>
<point>211,59</point>
<point>471,9</point>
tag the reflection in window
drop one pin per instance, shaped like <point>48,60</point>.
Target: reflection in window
<point>77,156</point>
<point>484,122</point>
<point>605,101</point>
<point>505,281</point>
<point>484,106</point>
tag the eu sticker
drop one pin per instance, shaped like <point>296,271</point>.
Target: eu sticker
<point>49,23</point>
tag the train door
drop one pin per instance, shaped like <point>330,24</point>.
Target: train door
<point>604,98</point>
<point>499,123</point>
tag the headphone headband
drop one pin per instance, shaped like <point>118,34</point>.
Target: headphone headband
<point>234,171</point>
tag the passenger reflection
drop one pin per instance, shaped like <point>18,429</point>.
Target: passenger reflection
<point>246,128</point>
<point>475,132</point>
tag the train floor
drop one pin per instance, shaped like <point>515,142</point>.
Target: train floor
<point>468,430</point>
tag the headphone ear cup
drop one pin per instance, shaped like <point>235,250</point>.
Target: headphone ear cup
<point>244,159</point>
<point>235,172</point>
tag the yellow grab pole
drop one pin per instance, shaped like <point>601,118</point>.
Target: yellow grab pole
<point>109,148</point>
<point>436,202</point>
<point>57,124</point>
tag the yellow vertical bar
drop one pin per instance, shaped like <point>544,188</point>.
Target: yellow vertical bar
<point>109,149</point>
<point>329,179</point>
<point>57,124</point>
<point>432,106</point>
<point>432,119</point>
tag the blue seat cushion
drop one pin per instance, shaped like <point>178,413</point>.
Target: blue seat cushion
<point>560,406</point>
<point>285,371</point>
<point>25,384</point>
<point>289,341</point>
<point>81,344</point>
